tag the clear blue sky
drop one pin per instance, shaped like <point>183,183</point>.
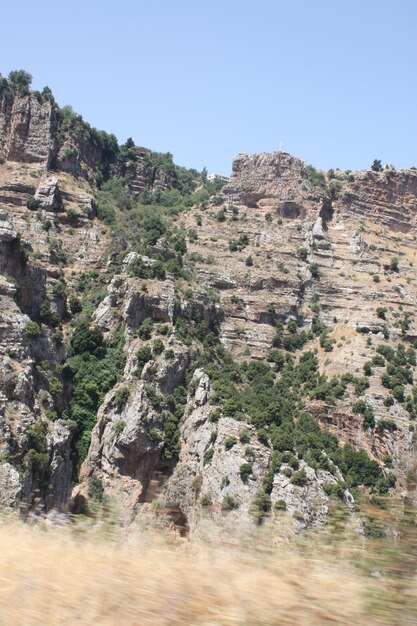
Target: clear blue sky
<point>335,81</point>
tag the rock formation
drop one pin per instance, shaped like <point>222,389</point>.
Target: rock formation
<point>283,258</point>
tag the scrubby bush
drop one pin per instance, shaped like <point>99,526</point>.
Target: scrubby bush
<point>245,470</point>
<point>299,478</point>
<point>32,330</point>
<point>394,264</point>
<point>261,505</point>
<point>121,397</point>
<point>145,329</point>
<point>314,270</point>
<point>244,436</point>
<point>229,503</point>
<point>55,387</point>
<point>48,316</point>
<point>229,442</point>
<point>22,80</point>
<point>75,305</point>
<point>302,253</point>
<point>32,203</point>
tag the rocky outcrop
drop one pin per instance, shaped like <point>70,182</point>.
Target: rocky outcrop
<point>48,196</point>
<point>275,181</point>
<point>28,127</point>
<point>281,246</point>
<point>31,131</point>
<point>141,174</point>
<point>127,441</point>
<point>388,197</point>
<point>34,451</point>
<point>208,477</point>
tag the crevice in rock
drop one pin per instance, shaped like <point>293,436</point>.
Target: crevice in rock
<point>326,212</point>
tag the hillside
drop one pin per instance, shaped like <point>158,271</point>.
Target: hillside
<point>195,351</point>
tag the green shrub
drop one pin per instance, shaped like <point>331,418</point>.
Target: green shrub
<point>316,178</point>
<point>197,483</point>
<point>106,213</point>
<point>229,503</point>
<point>326,342</point>
<point>244,436</point>
<point>21,80</point>
<point>386,424</point>
<point>206,500</point>
<point>245,470</point>
<point>48,316</point>
<point>95,489</point>
<point>261,505</point>
<point>154,435</point>
<point>229,442</point>
<point>55,387</point>
<point>75,305</point>
<point>145,329</point>
<point>302,253</point>
<point>158,347</point>
<point>32,203</point>
<point>381,312</point>
<point>208,455</point>
<point>94,367</point>
<point>378,361</point>
<point>121,397</point>
<point>314,270</point>
<point>394,264</point>
<point>299,478</point>
<point>238,244</point>
<point>59,289</point>
<point>119,428</point>
<point>367,368</point>
<point>32,330</point>
<point>86,340</point>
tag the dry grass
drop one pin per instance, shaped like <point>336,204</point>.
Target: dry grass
<point>68,576</point>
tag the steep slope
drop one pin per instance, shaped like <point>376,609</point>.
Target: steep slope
<point>203,353</point>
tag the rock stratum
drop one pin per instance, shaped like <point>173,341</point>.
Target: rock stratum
<point>193,351</point>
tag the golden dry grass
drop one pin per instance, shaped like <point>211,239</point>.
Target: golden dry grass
<point>72,577</point>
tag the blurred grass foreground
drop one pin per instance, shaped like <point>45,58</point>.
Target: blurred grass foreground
<point>97,573</point>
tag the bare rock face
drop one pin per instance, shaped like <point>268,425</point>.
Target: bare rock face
<point>36,464</point>
<point>48,195</point>
<point>7,233</point>
<point>277,181</point>
<point>34,451</point>
<point>78,155</point>
<point>31,132</point>
<point>27,128</point>
<point>388,197</point>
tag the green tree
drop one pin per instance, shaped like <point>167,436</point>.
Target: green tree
<point>21,80</point>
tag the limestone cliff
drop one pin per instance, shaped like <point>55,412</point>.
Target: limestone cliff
<point>187,356</point>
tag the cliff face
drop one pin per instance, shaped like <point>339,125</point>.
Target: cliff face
<point>28,128</point>
<point>314,266</point>
<point>33,129</point>
<point>36,467</point>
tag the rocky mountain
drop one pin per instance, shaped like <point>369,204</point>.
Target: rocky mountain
<point>194,351</point>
